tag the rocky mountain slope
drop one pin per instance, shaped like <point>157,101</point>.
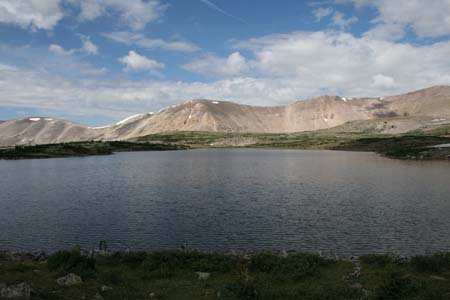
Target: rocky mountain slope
<point>393,114</point>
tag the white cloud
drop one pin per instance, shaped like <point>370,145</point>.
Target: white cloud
<point>59,50</point>
<point>135,62</point>
<point>275,70</point>
<point>87,47</point>
<point>322,12</point>
<point>387,32</point>
<point>343,62</point>
<point>212,66</point>
<point>381,81</point>
<point>340,20</point>
<point>37,14</point>
<point>426,18</point>
<point>131,38</point>
<point>135,13</point>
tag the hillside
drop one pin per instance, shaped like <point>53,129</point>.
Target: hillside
<point>392,114</point>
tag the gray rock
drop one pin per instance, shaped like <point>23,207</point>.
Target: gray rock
<point>152,295</point>
<point>97,297</point>
<point>19,291</point>
<point>440,278</point>
<point>105,288</point>
<point>203,275</point>
<point>69,280</point>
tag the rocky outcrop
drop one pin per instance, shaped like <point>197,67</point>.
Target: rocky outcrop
<point>69,280</point>
<point>20,291</point>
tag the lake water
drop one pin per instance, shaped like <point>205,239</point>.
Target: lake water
<point>334,202</point>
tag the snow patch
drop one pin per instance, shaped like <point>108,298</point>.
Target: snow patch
<point>128,119</point>
<point>100,127</point>
<point>344,99</point>
<point>438,120</point>
<point>34,119</point>
<point>48,119</point>
<point>215,102</point>
<point>381,98</point>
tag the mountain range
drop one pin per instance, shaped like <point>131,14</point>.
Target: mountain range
<point>390,114</point>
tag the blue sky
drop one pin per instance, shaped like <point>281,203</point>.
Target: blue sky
<point>97,61</point>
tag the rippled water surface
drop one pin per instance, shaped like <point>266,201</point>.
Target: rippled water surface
<point>335,202</point>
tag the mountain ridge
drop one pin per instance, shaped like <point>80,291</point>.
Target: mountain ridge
<point>411,111</point>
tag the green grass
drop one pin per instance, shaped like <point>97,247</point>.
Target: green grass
<point>263,276</point>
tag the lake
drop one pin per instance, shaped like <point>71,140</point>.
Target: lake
<point>343,203</point>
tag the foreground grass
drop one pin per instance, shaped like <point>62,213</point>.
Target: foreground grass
<point>81,149</point>
<point>264,276</point>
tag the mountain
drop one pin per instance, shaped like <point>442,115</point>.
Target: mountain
<point>393,114</point>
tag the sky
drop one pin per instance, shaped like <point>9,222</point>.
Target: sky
<point>98,61</point>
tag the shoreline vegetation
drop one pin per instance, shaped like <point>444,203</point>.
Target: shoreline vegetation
<point>415,145</point>
<point>189,274</point>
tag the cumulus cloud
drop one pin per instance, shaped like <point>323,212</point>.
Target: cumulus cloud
<point>426,18</point>
<point>213,66</point>
<point>322,12</point>
<point>344,62</point>
<point>388,32</point>
<point>136,62</point>
<point>342,22</point>
<point>59,50</point>
<point>37,14</point>
<point>135,13</point>
<point>120,98</point>
<point>87,47</point>
<point>132,38</point>
<point>381,81</point>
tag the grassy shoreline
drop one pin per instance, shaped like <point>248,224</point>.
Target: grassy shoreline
<point>82,149</point>
<point>254,276</point>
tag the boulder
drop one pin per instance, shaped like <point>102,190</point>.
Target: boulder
<point>203,275</point>
<point>19,291</point>
<point>105,288</point>
<point>69,280</point>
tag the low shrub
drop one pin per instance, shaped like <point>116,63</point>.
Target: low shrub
<point>72,261</point>
<point>380,260</point>
<point>439,262</point>
<point>194,261</point>
<point>246,290</point>
<point>292,266</point>
<point>398,286</point>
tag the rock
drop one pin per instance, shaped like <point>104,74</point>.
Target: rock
<point>105,288</point>
<point>152,295</point>
<point>97,297</point>
<point>356,285</point>
<point>203,275</point>
<point>19,291</point>
<point>69,280</point>
<point>437,278</point>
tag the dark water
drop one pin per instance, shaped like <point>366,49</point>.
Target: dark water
<point>335,202</point>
